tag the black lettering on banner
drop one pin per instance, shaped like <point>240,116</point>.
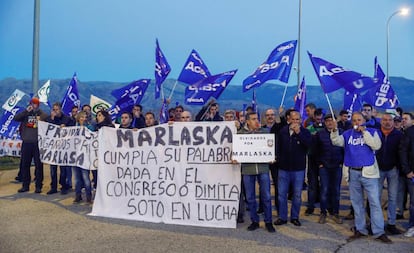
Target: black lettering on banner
<point>143,207</point>
<point>179,211</point>
<point>124,136</point>
<point>159,133</point>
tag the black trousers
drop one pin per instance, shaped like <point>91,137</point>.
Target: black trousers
<point>30,151</point>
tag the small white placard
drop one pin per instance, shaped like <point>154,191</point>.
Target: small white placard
<point>253,148</point>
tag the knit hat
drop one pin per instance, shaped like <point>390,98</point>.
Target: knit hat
<point>35,101</point>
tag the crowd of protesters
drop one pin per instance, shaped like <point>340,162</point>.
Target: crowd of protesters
<point>314,151</point>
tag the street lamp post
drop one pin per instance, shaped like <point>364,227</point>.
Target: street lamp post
<point>35,60</point>
<point>299,28</point>
<point>403,12</point>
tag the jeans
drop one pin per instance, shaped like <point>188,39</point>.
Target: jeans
<point>330,188</point>
<point>392,183</point>
<point>264,188</point>
<point>62,177</point>
<point>285,179</point>
<point>82,179</point>
<point>410,186</point>
<point>401,194</point>
<point>357,185</point>
<point>274,171</point>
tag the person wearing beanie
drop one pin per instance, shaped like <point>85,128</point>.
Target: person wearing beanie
<point>30,150</point>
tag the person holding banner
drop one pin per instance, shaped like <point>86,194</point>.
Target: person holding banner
<point>292,146</point>
<point>57,117</point>
<point>30,148</point>
<point>82,175</point>
<point>251,171</point>
<point>126,120</point>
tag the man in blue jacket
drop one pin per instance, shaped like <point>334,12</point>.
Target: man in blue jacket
<point>360,144</point>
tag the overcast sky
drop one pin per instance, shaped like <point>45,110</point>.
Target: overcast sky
<point>112,40</point>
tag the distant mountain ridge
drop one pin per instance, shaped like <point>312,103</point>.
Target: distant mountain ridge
<point>269,95</point>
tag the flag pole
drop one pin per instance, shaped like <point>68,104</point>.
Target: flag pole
<point>173,88</point>
<point>283,97</point>
<point>330,106</point>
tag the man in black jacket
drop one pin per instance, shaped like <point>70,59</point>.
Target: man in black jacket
<point>30,148</point>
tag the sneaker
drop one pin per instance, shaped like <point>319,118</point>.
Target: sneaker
<point>270,227</point>
<point>253,226</point>
<point>280,222</point>
<point>38,190</point>
<point>64,191</point>
<point>392,230</point>
<point>410,232</point>
<point>355,236</point>
<point>260,211</point>
<point>383,238</point>
<point>308,211</point>
<point>337,219</point>
<point>89,199</point>
<point>52,191</point>
<point>322,218</point>
<point>240,220</point>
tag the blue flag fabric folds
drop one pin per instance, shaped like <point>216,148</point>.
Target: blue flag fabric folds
<point>71,97</point>
<point>300,101</point>
<point>352,102</point>
<point>132,95</point>
<point>213,86</point>
<point>194,69</point>
<point>383,95</point>
<point>164,116</point>
<point>333,77</point>
<point>277,66</point>
<point>7,124</point>
<point>162,69</point>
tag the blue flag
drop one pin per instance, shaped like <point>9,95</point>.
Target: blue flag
<point>194,69</point>
<point>162,69</point>
<point>300,101</point>
<point>333,77</point>
<point>277,66</point>
<point>383,95</point>
<point>133,87</point>
<point>133,95</point>
<point>7,124</point>
<point>164,115</point>
<point>352,102</point>
<point>213,86</point>
<point>71,97</point>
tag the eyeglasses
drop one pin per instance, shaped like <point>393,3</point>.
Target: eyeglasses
<point>272,114</point>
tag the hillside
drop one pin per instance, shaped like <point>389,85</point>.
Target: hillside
<point>268,95</point>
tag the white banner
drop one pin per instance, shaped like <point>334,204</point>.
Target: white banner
<point>9,147</point>
<point>73,146</point>
<point>254,148</point>
<point>176,174</point>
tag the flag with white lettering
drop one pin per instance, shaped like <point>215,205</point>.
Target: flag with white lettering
<point>130,88</point>
<point>333,77</point>
<point>162,69</point>
<point>71,97</point>
<point>383,95</point>
<point>277,66</point>
<point>8,125</point>
<point>97,104</point>
<point>352,102</point>
<point>194,69</point>
<point>300,101</point>
<point>133,94</point>
<point>213,86</point>
<point>12,101</point>
<point>43,93</point>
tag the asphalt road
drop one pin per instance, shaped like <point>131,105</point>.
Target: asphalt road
<point>32,222</point>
